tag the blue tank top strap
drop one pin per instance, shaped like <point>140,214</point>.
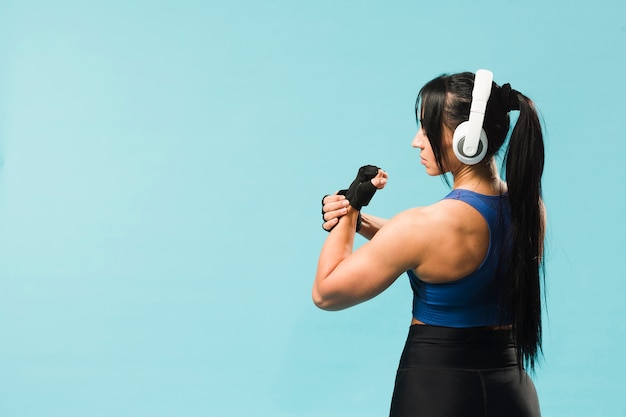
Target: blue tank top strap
<point>489,206</point>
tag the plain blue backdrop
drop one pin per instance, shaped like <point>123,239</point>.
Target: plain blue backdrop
<point>162,164</point>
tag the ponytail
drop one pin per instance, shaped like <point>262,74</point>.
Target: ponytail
<point>524,161</point>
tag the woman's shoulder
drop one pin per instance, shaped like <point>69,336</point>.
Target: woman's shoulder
<point>435,233</point>
<point>438,216</point>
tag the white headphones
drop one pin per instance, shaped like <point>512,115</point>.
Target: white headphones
<point>469,141</point>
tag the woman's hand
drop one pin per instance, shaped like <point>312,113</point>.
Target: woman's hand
<point>335,206</point>
<point>380,180</point>
<point>368,180</point>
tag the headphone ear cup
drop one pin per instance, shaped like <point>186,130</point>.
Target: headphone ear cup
<point>458,140</point>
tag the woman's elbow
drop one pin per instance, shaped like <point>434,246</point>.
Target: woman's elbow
<point>322,302</point>
<point>318,300</point>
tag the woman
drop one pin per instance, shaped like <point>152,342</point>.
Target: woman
<point>474,258</point>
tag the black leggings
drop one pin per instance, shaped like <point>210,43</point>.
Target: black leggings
<point>468,372</point>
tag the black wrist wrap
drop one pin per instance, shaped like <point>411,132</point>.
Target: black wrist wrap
<point>362,190</point>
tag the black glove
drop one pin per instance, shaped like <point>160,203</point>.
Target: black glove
<point>362,190</point>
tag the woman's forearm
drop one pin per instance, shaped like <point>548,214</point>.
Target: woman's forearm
<point>370,225</point>
<point>338,246</point>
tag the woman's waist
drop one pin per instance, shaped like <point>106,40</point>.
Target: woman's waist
<point>494,327</point>
<point>459,348</point>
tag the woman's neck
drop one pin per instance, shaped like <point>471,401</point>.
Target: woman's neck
<point>482,178</point>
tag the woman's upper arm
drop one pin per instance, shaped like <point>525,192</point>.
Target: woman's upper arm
<point>374,266</point>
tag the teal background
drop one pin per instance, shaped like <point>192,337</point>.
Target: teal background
<point>162,166</point>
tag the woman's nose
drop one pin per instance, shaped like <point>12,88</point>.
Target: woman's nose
<point>417,141</point>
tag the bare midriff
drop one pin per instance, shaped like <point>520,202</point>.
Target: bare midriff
<point>500,327</point>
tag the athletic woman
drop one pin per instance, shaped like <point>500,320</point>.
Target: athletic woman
<point>473,259</point>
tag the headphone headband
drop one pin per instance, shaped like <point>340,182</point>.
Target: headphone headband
<point>480,95</point>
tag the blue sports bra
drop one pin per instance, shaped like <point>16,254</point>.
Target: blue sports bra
<point>471,301</point>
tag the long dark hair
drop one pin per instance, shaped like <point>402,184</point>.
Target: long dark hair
<point>445,102</point>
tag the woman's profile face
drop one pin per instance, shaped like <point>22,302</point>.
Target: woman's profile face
<point>427,156</point>
<point>421,142</point>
